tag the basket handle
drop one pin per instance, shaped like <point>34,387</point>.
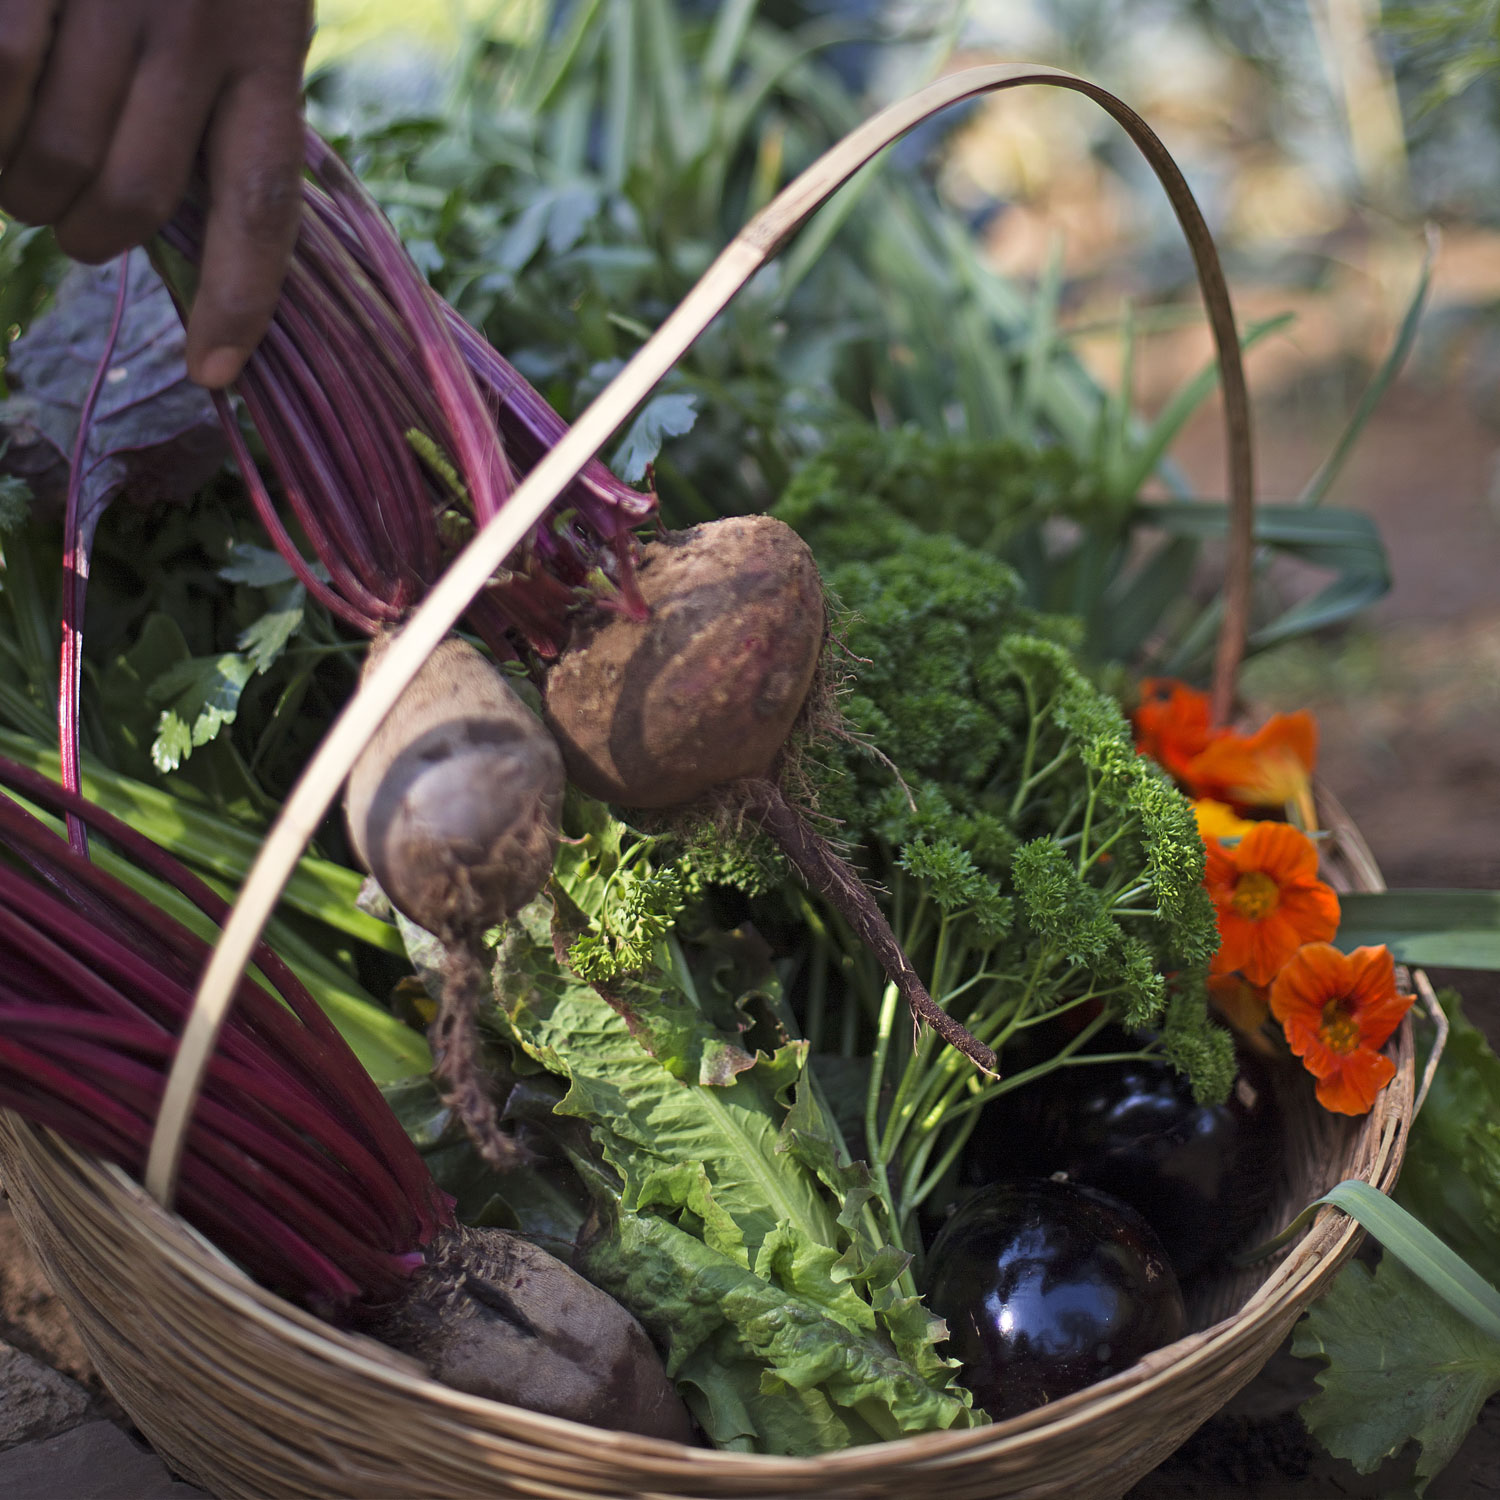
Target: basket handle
<point>756,243</point>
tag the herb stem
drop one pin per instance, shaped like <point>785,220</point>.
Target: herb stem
<point>888,1003</point>
<point>1114,838</point>
<point>1088,823</point>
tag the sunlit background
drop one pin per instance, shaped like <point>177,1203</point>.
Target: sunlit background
<point>1305,129</point>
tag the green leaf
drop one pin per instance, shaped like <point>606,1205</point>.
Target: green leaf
<point>1345,542</point>
<point>662,417</point>
<point>1451,1177</point>
<point>259,567</point>
<point>1410,1241</point>
<point>1403,1365</point>
<point>388,1050</point>
<point>212,845</point>
<point>1138,464</point>
<point>743,1234</point>
<point>201,695</point>
<point>1321,482</point>
<point>762,1368</point>
<point>269,636</point>
<point>15,503</point>
<point>1413,1352</point>
<point>1136,610</point>
<point>1457,929</point>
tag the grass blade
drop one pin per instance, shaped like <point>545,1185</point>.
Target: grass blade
<point>1140,464</point>
<point>560,66</point>
<point>620,117</point>
<point>725,44</point>
<point>681,112</point>
<point>210,845</point>
<point>1041,340</point>
<point>1321,482</point>
<point>1417,1248</point>
<point>1456,929</point>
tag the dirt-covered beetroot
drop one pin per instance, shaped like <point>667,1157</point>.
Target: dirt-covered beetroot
<point>657,712</point>
<point>453,807</point>
<point>493,1315</point>
<point>692,707</point>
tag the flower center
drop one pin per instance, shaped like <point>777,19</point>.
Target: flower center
<point>1256,895</point>
<point>1339,1031</point>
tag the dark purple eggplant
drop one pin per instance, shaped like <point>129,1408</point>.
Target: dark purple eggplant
<point>1201,1175</point>
<point>1047,1287</point>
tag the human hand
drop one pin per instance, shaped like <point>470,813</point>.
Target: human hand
<point>104,107</point>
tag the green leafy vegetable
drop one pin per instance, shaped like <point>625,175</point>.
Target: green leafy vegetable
<point>1034,862</point>
<point>737,1228</point>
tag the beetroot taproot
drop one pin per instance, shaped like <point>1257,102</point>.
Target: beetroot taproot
<point>453,806</point>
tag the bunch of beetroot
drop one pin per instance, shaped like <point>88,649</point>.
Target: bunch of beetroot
<point>671,674</point>
<point>294,1165</point>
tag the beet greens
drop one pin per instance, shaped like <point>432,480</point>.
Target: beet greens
<point>394,430</point>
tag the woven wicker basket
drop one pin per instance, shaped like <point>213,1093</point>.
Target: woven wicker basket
<point>250,1397</point>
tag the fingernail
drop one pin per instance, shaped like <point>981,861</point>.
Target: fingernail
<point>219,366</point>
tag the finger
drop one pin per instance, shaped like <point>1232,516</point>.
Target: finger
<point>25,34</point>
<point>255,203</point>
<point>150,159</point>
<point>78,98</point>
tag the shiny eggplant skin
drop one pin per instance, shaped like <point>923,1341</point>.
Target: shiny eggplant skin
<point>1201,1175</point>
<point>1047,1287</point>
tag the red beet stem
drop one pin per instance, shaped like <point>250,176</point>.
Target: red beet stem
<point>360,356</point>
<point>78,543</point>
<point>292,1146</point>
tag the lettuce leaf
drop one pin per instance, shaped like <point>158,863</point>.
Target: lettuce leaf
<point>733,1222</point>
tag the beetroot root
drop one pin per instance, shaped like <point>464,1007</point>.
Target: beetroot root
<point>453,807</point>
<point>655,713</point>
<point>493,1315</point>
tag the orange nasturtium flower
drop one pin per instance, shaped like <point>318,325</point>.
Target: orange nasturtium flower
<point>1218,820</point>
<point>1173,724</point>
<point>1269,768</point>
<point>1244,1005</point>
<point>1268,899</point>
<point>1338,1011</point>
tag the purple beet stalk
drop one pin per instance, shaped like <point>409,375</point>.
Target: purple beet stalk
<point>294,1165</point>
<point>360,357</point>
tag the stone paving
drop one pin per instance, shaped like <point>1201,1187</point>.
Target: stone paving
<point>61,1436</point>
